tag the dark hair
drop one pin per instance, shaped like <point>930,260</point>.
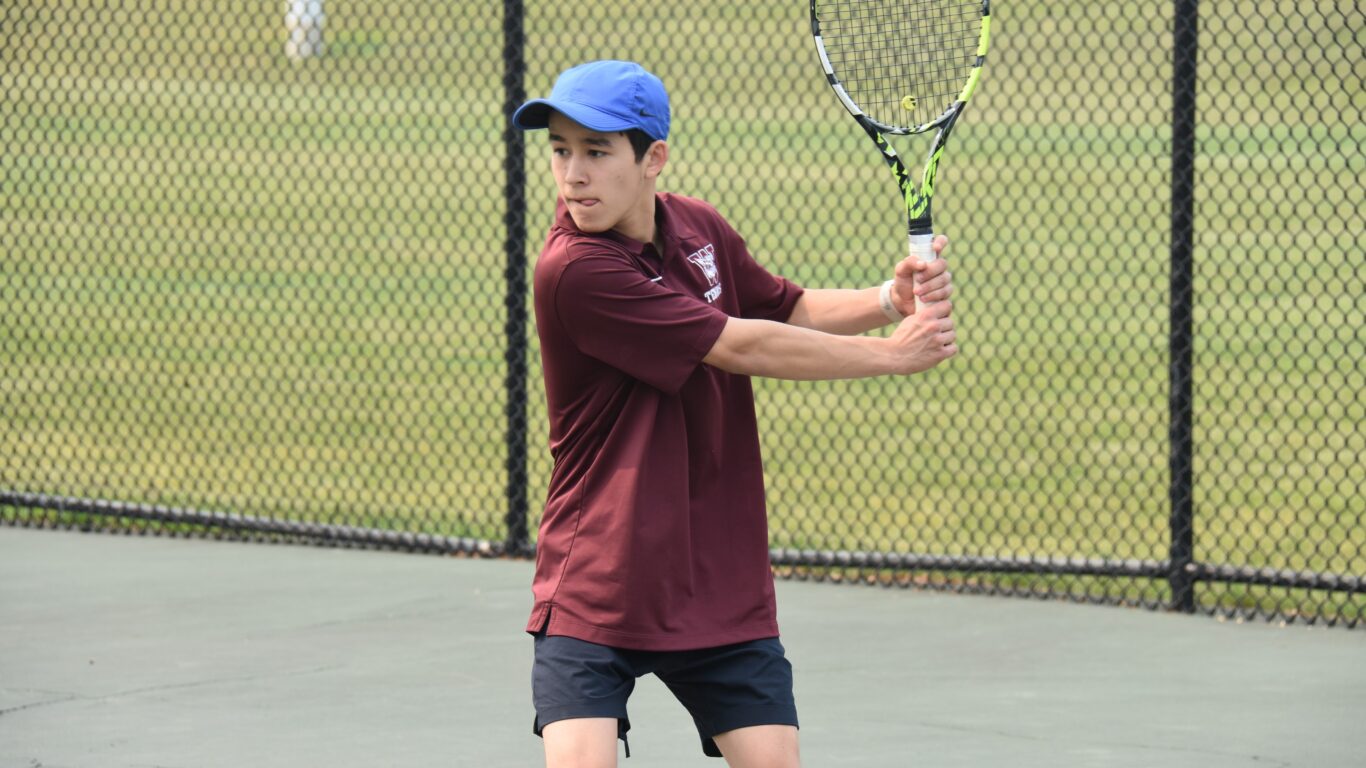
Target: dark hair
<point>640,142</point>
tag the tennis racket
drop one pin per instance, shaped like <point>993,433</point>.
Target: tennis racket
<point>902,67</point>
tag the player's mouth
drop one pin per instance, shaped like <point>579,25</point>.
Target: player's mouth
<point>586,202</point>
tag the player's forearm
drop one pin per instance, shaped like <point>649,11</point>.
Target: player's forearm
<point>846,312</point>
<point>786,351</point>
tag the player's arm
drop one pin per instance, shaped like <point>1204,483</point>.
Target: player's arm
<point>853,311</point>
<point>786,351</point>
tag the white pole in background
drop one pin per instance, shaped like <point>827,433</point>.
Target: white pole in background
<point>304,26</point>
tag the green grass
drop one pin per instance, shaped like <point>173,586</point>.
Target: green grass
<point>235,282</point>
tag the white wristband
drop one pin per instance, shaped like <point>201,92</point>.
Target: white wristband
<point>885,301</point>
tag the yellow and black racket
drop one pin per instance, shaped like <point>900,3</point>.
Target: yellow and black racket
<point>902,67</point>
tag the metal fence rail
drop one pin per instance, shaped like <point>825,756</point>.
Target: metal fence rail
<point>263,275</point>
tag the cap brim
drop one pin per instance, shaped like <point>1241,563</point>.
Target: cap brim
<point>536,114</point>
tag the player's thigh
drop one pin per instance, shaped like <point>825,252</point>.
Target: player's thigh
<point>585,742</point>
<point>760,746</point>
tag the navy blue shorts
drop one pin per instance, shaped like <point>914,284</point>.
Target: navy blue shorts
<point>724,688</point>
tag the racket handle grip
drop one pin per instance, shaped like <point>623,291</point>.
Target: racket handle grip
<point>921,250</point>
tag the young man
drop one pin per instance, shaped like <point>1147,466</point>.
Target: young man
<point>653,550</point>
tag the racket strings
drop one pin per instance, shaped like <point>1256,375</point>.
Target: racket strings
<point>903,62</point>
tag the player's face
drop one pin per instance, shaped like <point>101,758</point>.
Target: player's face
<point>602,184</point>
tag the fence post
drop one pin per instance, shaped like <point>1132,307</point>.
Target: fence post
<point>514,93</point>
<point>1184,73</point>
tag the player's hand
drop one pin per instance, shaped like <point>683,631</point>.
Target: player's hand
<point>930,280</point>
<point>926,338</point>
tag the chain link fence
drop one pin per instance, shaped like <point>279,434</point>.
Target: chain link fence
<point>263,275</point>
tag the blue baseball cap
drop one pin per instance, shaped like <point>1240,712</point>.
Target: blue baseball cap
<point>603,96</point>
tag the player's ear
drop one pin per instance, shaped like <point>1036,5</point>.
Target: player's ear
<point>655,158</point>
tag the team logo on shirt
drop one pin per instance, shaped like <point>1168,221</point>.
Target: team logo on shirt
<point>705,260</point>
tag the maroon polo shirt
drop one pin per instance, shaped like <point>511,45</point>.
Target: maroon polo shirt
<point>655,533</point>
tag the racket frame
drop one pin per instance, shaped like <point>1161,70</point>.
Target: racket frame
<point>919,223</point>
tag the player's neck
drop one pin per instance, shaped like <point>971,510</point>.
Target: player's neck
<point>639,224</point>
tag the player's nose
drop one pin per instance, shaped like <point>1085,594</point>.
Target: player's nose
<point>575,171</point>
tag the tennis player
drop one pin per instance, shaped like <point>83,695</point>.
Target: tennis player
<point>652,556</point>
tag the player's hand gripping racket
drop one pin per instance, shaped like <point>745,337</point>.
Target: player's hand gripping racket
<point>903,67</point>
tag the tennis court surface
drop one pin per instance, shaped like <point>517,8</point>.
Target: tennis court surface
<point>118,652</point>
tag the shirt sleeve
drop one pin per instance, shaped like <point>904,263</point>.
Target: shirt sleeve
<point>763,295</point>
<point>612,312</point>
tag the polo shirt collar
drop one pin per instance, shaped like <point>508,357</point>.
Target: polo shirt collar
<point>672,226</point>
